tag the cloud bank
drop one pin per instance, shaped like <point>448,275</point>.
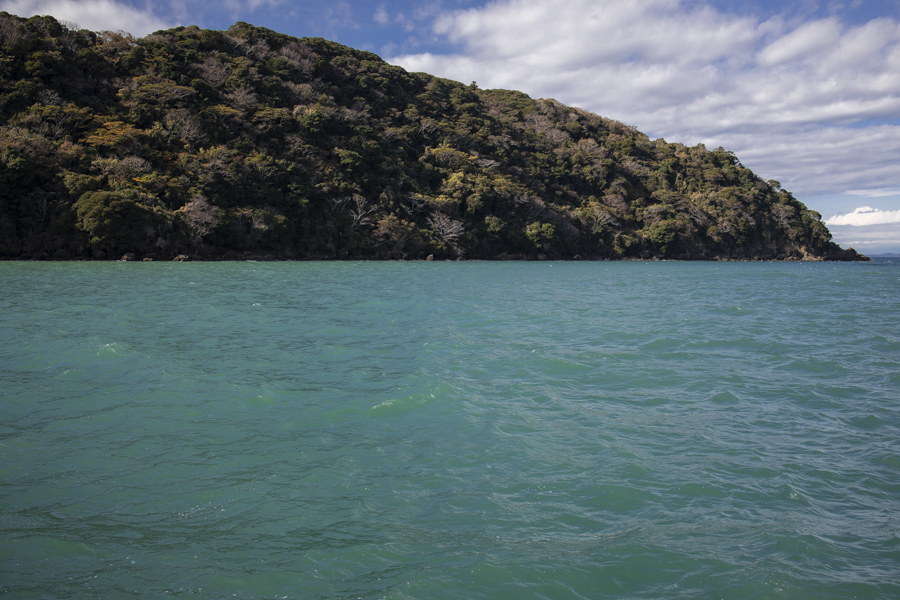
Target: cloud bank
<point>96,15</point>
<point>868,240</point>
<point>815,105</point>
<point>866,215</point>
<point>876,193</point>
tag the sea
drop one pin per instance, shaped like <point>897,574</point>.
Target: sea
<point>450,430</point>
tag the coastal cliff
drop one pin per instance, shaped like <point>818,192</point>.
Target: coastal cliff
<point>250,143</point>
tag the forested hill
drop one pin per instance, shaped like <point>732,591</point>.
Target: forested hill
<point>250,143</point>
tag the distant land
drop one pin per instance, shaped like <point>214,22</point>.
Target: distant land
<point>885,255</point>
<point>248,143</point>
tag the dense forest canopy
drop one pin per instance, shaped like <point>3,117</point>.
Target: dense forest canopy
<point>250,143</point>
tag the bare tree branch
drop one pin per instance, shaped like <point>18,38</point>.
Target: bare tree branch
<point>201,218</point>
<point>447,229</point>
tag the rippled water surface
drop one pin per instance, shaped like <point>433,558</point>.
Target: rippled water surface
<point>450,430</point>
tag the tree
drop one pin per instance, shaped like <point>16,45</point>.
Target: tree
<point>447,229</point>
<point>116,223</point>
<point>394,234</point>
<point>201,218</point>
<point>664,234</point>
<point>306,144</point>
<point>540,234</point>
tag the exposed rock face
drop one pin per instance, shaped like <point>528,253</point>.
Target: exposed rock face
<point>252,143</point>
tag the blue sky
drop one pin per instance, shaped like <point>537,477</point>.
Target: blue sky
<point>804,92</point>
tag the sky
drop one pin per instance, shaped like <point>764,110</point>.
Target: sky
<point>804,92</point>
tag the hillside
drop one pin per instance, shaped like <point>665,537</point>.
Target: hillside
<point>250,143</point>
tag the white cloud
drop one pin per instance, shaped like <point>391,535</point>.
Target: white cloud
<point>791,100</point>
<point>878,193</point>
<point>866,215</point>
<point>871,239</point>
<point>254,4</point>
<point>381,15</point>
<point>819,159</point>
<point>340,15</point>
<point>238,9</point>
<point>808,41</point>
<point>96,15</point>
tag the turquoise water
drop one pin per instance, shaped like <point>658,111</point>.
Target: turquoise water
<point>450,430</point>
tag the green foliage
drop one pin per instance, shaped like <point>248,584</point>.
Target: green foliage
<point>116,223</point>
<point>663,235</point>
<point>113,134</point>
<point>16,174</point>
<point>540,234</point>
<point>247,141</point>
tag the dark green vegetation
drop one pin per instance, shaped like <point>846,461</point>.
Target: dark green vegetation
<point>252,143</point>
